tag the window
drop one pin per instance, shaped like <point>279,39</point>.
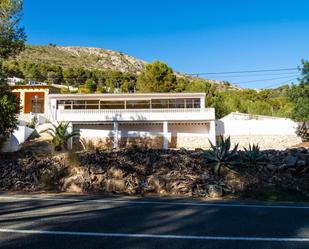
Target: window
<point>92,104</point>
<point>193,103</point>
<point>79,104</point>
<point>138,104</point>
<point>112,104</point>
<point>66,103</point>
<point>159,103</point>
<point>180,103</point>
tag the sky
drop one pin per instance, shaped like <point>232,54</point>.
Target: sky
<point>191,36</point>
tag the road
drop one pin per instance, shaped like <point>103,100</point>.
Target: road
<point>68,221</point>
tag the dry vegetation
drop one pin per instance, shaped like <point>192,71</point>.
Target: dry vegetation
<point>157,172</point>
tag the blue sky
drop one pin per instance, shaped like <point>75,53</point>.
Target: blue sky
<point>191,36</point>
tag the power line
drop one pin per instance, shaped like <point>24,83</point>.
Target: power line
<point>250,71</point>
<point>254,75</point>
<point>280,83</point>
<point>252,81</point>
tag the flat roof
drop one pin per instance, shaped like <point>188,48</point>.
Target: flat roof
<point>125,95</point>
<point>30,86</point>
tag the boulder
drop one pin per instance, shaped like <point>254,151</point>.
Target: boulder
<point>291,161</point>
<point>301,163</point>
<point>115,185</point>
<point>214,191</point>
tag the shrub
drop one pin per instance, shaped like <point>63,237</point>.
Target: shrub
<point>221,155</point>
<point>60,135</point>
<point>253,156</point>
<point>33,123</point>
<point>52,178</point>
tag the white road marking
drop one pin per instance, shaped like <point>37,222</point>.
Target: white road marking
<point>154,236</point>
<point>172,203</point>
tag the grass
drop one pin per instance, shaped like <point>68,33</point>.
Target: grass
<point>274,193</point>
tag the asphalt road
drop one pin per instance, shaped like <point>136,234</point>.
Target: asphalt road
<point>66,221</point>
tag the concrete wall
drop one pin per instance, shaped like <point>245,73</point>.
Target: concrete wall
<point>272,133</point>
<point>19,136</point>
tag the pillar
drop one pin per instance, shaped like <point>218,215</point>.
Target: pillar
<point>116,133</point>
<point>70,141</point>
<point>165,135</point>
<point>203,105</point>
<point>22,101</point>
<point>212,132</point>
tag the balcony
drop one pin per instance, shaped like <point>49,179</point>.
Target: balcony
<point>177,114</point>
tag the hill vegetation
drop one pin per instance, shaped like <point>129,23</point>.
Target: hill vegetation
<point>84,57</point>
<point>99,70</point>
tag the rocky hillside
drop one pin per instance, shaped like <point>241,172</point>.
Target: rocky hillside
<point>86,57</point>
<point>137,171</point>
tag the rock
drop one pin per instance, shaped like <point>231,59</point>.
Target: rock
<point>302,150</point>
<point>301,163</point>
<point>291,161</point>
<point>116,173</point>
<point>214,191</point>
<point>157,183</point>
<point>115,185</point>
<point>271,166</point>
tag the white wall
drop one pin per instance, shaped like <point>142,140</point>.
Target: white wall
<point>256,127</point>
<point>19,136</point>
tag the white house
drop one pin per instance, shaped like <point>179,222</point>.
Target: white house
<point>156,120</point>
<point>160,120</point>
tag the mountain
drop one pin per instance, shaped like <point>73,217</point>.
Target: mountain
<point>86,57</point>
<point>95,58</point>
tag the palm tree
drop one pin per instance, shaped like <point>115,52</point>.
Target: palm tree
<point>60,134</point>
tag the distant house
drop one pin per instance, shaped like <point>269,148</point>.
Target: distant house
<point>13,80</point>
<point>33,99</point>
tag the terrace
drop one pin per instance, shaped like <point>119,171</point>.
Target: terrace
<point>128,107</point>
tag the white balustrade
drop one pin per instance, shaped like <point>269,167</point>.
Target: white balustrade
<point>177,114</point>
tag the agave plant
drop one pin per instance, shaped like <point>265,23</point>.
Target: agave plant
<point>60,134</point>
<point>221,155</point>
<point>253,156</point>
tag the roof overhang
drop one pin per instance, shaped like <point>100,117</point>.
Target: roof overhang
<point>122,96</point>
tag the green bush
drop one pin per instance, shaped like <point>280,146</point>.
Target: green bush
<point>253,156</point>
<point>221,155</point>
<point>60,135</point>
<point>33,123</point>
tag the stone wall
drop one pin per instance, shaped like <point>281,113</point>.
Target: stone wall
<point>189,142</point>
<point>155,142</point>
<point>93,143</point>
<point>266,141</point>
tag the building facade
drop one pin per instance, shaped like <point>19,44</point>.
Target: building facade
<point>33,100</point>
<point>156,120</point>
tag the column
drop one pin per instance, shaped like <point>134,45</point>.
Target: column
<point>22,102</point>
<point>212,132</point>
<point>165,135</point>
<point>116,133</point>
<point>70,140</point>
<point>203,103</point>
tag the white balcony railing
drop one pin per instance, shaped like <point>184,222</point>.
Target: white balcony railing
<point>135,114</point>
